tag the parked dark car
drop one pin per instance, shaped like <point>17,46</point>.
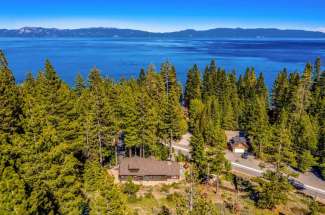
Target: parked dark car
<point>296,184</point>
<point>245,155</point>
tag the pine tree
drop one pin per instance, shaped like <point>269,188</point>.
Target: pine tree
<point>49,142</point>
<point>306,160</point>
<point>257,125</point>
<point>209,80</point>
<point>294,80</point>
<point>241,86</point>
<point>229,121</point>
<point>248,85</point>
<point>13,195</point>
<point>142,77</point>
<point>12,187</point>
<point>206,86</point>
<point>203,206</point>
<point>272,190</point>
<point>212,111</point>
<point>131,118</point>
<point>233,97</point>
<point>154,95</point>
<point>147,122</point>
<point>281,151</point>
<point>188,94</point>
<point>109,199</point>
<point>42,200</point>
<point>195,114</point>
<point>280,95</point>
<point>173,124</point>
<point>302,96</point>
<point>9,106</point>
<point>247,88</point>
<point>193,85</point>
<point>196,82</point>
<point>317,70</point>
<point>305,142</point>
<point>198,153</point>
<point>104,123</point>
<point>79,84</point>
<point>321,116</point>
<point>261,89</point>
<point>200,206</point>
<point>216,161</point>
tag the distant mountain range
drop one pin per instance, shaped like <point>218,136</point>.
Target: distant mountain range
<point>190,33</point>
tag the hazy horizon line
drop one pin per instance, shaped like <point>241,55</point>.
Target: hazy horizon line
<point>171,31</point>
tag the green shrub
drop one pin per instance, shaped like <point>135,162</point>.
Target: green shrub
<point>181,158</point>
<point>173,197</point>
<point>130,188</point>
<point>148,194</point>
<point>175,185</point>
<point>164,210</point>
<point>165,188</point>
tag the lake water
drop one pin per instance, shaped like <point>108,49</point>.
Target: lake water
<point>117,57</point>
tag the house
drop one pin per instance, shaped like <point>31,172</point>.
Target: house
<point>148,169</point>
<point>237,141</point>
<point>238,144</point>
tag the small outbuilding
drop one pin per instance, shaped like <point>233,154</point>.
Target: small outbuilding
<point>148,169</point>
<point>237,141</point>
<point>238,144</point>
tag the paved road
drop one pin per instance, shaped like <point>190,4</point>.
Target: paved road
<point>251,167</point>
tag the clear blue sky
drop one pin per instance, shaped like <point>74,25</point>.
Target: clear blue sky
<point>164,15</point>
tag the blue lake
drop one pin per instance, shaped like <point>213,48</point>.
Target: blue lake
<point>117,57</point>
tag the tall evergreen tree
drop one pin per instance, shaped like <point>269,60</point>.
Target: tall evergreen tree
<point>193,85</point>
<point>206,86</point>
<point>9,106</point>
<point>13,195</point>
<point>257,125</point>
<point>147,122</point>
<point>261,89</point>
<point>209,83</point>
<point>229,121</point>
<point>173,124</point>
<point>198,153</point>
<point>281,150</point>
<point>317,70</point>
<point>142,76</point>
<point>280,95</point>
<point>12,192</point>
<point>302,95</point>
<point>50,146</point>
<point>109,199</point>
<point>104,123</point>
<point>272,190</point>
<point>79,84</point>
<point>195,114</point>
<point>232,98</point>
<point>305,142</point>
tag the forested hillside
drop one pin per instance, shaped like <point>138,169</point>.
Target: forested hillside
<point>56,141</point>
<point>285,124</point>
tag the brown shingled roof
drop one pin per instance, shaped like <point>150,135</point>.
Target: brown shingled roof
<point>136,166</point>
